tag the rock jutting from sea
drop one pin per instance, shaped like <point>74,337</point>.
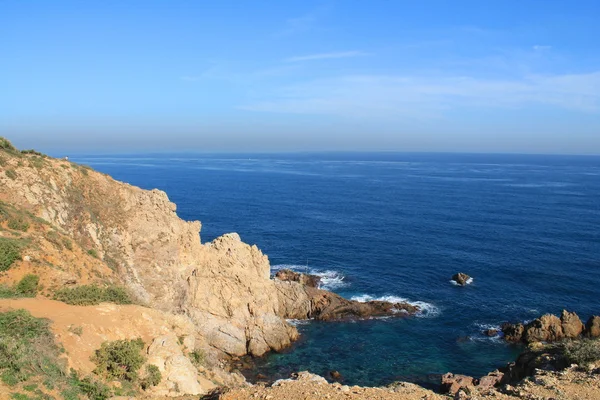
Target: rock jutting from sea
<point>550,328</point>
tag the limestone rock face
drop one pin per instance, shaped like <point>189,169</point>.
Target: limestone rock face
<point>179,376</point>
<point>223,286</point>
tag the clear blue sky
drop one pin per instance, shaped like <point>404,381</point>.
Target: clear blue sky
<point>485,76</point>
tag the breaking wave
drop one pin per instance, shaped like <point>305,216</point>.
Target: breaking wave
<point>426,310</point>
<point>330,280</point>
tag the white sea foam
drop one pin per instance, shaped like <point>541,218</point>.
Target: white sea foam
<point>482,327</point>
<point>468,282</point>
<point>330,280</point>
<point>296,322</point>
<point>426,310</point>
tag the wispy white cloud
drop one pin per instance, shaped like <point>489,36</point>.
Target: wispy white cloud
<point>539,47</point>
<point>426,96</point>
<point>324,56</point>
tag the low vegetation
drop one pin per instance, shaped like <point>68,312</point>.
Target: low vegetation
<point>18,224</point>
<point>86,295</point>
<point>6,145</point>
<point>93,253</point>
<point>10,251</point>
<point>11,174</point>
<point>152,378</point>
<point>27,349</point>
<point>120,360</point>
<point>582,352</point>
<point>26,287</point>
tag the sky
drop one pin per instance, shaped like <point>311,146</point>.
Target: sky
<point>429,75</point>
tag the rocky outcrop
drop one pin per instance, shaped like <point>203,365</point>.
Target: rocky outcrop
<point>304,279</point>
<point>299,301</point>
<point>461,278</point>
<point>592,327</point>
<point>550,328</point>
<point>452,384</point>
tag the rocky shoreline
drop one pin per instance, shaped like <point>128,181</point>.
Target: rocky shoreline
<point>202,309</point>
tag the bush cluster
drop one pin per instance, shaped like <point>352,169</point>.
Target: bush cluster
<point>10,251</point>
<point>27,348</point>
<point>582,352</point>
<point>5,144</point>
<point>18,224</point>
<point>26,287</point>
<point>152,378</point>
<point>86,295</point>
<point>120,359</point>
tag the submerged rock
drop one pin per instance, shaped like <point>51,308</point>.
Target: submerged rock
<point>461,278</point>
<point>305,279</point>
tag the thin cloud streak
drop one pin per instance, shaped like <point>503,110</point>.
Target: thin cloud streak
<point>380,96</point>
<point>324,56</point>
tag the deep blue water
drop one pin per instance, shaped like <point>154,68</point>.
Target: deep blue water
<point>527,228</point>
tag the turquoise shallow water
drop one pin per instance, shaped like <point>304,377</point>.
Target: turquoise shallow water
<point>527,228</point>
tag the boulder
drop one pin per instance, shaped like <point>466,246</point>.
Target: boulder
<point>490,380</point>
<point>305,279</point>
<point>490,332</point>
<point>461,278</point>
<point>513,332</point>
<point>571,324</point>
<point>592,327</point>
<point>452,384</point>
<point>547,328</point>
<point>335,375</point>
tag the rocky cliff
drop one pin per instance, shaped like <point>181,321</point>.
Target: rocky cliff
<point>223,286</point>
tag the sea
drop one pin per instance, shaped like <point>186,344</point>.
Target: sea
<point>397,226</point>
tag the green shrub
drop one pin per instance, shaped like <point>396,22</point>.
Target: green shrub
<point>120,359</point>
<point>67,243</point>
<point>27,348</point>
<point>197,357</point>
<point>93,389</point>
<point>582,352</point>
<point>5,144</point>
<point>10,251</point>
<point>2,161</point>
<point>11,174</point>
<point>28,285</point>
<point>18,224</point>
<point>152,378</point>
<point>31,151</point>
<point>86,295</point>
<point>93,253</point>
